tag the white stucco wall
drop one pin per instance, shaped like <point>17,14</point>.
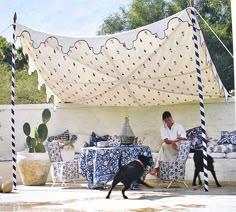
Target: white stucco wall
<point>145,121</point>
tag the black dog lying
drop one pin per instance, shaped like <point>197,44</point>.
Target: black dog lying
<point>198,161</point>
<point>130,173</point>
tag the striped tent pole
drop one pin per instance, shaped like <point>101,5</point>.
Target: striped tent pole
<point>13,67</point>
<point>200,94</point>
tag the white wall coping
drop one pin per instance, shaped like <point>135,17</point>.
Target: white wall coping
<point>74,105</point>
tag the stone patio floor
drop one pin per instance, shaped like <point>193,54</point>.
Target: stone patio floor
<point>79,198</point>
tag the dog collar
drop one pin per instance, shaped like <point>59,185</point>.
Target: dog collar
<point>140,162</point>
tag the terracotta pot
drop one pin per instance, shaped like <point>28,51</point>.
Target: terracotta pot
<point>33,167</point>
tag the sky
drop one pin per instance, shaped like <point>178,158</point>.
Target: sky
<point>64,17</point>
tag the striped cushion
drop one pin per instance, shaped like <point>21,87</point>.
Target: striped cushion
<point>64,136</point>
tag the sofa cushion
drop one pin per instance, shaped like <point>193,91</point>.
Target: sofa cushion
<point>227,137</point>
<point>231,155</point>
<point>63,136</point>
<point>195,136</point>
<point>212,142</point>
<point>223,148</point>
<point>64,144</point>
<point>94,138</point>
<point>217,155</point>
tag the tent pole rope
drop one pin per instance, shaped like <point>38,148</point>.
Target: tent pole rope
<point>215,35</point>
<point>5,29</point>
<point>200,94</point>
<point>13,103</point>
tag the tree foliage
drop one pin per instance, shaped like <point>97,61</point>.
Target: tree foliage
<point>217,13</point>
<point>26,89</point>
<point>5,51</point>
<point>115,23</point>
<point>143,12</point>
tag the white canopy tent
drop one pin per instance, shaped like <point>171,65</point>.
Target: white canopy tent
<point>151,65</point>
<point>166,62</point>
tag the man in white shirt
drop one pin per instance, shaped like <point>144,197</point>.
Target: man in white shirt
<point>170,133</point>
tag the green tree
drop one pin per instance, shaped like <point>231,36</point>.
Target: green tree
<point>5,51</point>
<point>140,13</point>
<point>217,14</point>
<point>115,23</point>
<point>26,89</point>
<point>21,59</point>
<point>143,12</point>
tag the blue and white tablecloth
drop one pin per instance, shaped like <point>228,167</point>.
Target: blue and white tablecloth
<point>99,165</point>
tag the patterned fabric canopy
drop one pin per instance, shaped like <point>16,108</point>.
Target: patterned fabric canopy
<point>151,65</point>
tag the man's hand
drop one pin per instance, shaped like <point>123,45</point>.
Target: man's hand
<point>179,138</point>
<point>174,145</point>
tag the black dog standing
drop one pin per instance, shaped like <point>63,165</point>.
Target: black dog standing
<point>130,173</point>
<point>198,161</point>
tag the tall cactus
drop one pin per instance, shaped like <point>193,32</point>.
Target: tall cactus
<point>40,134</point>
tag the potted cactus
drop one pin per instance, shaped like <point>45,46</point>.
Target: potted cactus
<point>34,165</point>
<point>41,133</point>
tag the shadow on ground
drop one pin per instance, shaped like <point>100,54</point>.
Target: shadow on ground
<point>79,198</point>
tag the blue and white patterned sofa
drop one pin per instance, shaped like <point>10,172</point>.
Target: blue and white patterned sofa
<point>223,151</point>
<point>225,147</point>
